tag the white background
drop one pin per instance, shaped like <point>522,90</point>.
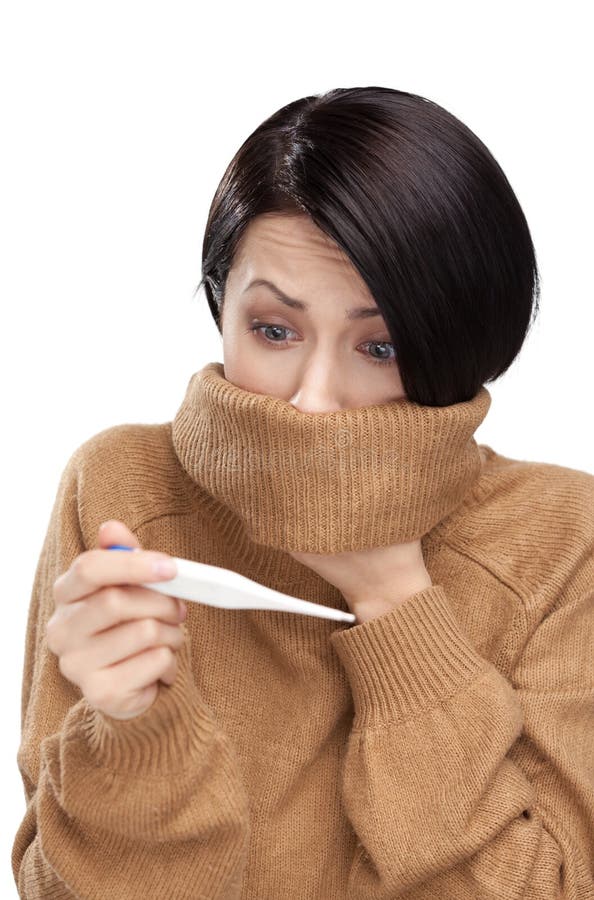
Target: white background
<point>118,121</point>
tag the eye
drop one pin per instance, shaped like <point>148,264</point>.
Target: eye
<point>381,361</point>
<point>256,329</point>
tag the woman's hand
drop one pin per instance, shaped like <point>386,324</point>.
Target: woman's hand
<point>114,638</point>
<point>372,581</point>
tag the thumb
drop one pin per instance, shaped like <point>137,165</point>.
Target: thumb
<point>115,532</point>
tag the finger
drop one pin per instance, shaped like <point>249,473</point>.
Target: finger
<point>121,642</point>
<point>113,531</point>
<point>96,569</point>
<point>136,673</point>
<point>169,674</point>
<point>111,606</point>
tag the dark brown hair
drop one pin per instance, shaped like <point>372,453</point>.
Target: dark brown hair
<point>421,208</point>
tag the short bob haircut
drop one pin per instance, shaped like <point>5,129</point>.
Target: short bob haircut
<point>421,208</point>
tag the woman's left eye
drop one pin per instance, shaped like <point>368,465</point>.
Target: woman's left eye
<point>382,362</point>
<point>257,329</point>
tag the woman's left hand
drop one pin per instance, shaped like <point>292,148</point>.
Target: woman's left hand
<point>372,581</point>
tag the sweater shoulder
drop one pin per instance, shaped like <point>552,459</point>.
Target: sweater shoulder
<point>530,522</point>
<point>129,472</point>
<point>554,494</point>
<point>549,484</point>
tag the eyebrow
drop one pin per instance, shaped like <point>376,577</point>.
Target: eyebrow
<point>360,312</point>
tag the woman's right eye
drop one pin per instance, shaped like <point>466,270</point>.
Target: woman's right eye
<point>257,329</point>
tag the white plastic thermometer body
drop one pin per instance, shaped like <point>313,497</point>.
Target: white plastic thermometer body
<point>217,586</point>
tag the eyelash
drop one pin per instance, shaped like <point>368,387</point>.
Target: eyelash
<point>255,329</point>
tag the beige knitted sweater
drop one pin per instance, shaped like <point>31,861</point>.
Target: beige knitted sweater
<point>444,749</point>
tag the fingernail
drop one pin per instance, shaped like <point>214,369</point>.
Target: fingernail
<point>165,567</point>
<point>183,610</point>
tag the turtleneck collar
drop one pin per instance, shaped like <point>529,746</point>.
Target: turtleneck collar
<point>351,479</point>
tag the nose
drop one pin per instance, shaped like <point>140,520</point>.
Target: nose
<point>318,390</point>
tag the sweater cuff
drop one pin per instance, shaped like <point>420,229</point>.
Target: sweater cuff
<point>161,741</point>
<point>407,659</point>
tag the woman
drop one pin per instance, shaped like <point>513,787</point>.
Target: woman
<point>370,269</point>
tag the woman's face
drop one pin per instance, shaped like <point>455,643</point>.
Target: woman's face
<point>309,351</point>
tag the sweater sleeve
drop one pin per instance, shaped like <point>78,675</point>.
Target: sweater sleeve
<point>153,806</point>
<point>460,783</point>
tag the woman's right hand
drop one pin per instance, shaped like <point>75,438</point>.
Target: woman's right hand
<point>114,638</point>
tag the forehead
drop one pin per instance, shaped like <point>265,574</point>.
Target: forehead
<point>289,235</point>
<point>295,246</point>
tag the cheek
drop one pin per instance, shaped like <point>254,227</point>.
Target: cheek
<point>243,365</point>
<point>250,379</point>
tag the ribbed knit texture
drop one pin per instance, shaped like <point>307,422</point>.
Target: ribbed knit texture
<point>444,749</point>
<point>329,482</point>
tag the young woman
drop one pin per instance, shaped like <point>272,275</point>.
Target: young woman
<point>370,270</point>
